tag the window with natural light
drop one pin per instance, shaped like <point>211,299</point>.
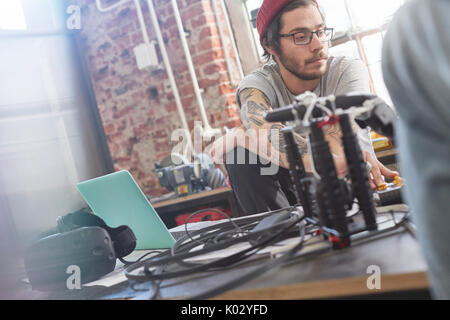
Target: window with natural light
<point>11,15</point>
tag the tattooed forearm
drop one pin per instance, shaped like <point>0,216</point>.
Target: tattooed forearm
<point>248,120</point>
<point>256,121</point>
<point>244,119</point>
<point>276,138</point>
<point>246,94</point>
<point>254,104</point>
<point>256,108</point>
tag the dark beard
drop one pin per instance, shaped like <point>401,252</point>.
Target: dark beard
<point>301,75</point>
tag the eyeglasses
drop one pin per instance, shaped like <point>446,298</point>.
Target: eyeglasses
<point>305,37</point>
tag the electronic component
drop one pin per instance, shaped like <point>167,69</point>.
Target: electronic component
<point>373,111</point>
<point>330,194</point>
<point>356,166</point>
<point>187,178</point>
<point>326,196</point>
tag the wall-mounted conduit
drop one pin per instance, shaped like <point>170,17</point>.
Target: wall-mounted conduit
<point>165,57</point>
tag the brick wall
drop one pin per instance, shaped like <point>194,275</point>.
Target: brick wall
<point>137,108</point>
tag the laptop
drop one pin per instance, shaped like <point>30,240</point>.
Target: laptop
<point>118,200</point>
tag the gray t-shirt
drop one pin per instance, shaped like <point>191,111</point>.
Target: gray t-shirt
<point>344,75</point>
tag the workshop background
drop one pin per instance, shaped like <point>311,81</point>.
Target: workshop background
<point>74,104</point>
<point>137,107</point>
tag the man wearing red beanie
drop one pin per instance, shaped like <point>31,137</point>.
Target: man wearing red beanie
<point>295,38</point>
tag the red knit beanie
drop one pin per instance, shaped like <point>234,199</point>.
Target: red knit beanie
<point>269,9</point>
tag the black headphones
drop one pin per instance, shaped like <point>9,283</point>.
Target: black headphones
<point>83,241</point>
<point>123,238</point>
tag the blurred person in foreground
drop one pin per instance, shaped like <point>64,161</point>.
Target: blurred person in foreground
<point>416,69</point>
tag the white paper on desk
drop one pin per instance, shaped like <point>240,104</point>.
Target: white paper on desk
<point>114,277</point>
<point>111,279</point>
<point>118,275</point>
<point>271,250</point>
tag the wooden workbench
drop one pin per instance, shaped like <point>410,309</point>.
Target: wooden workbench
<point>318,273</point>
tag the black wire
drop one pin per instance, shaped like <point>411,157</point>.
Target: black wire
<point>262,244</point>
<point>206,210</point>
<point>203,267</point>
<point>221,226</point>
<point>219,262</point>
<point>207,233</point>
<point>270,265</point>
<point>215,238</point>
<point>181,251</point>
<point>156,285</point>
<point>127,263</point>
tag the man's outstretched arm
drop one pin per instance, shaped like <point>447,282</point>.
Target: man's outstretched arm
<point>254,104</point>
<point>269,142</point>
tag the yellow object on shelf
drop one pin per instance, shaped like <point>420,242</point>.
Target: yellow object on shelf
<point>380,142</point>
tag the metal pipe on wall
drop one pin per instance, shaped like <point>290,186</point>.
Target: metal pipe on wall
<point>233,41</point>
<point>143,28</point>
<point>208,132</point>
<point>222,41</point>
<point>112,7</point>
<point>141,22</point>
<point>164,56</point>
<point>169,70</point>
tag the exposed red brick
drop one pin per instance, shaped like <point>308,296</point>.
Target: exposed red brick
<point>187,101</point>
<point>208,57</point>
<point>186,89</point>
<point>204,83</point>
<point>209,43</point>
<point>109,128</point>
<point>231,99</point>
<point>193,11</point>
<point>232,113</point>
<point>233,123</point>
<point>129,113</point>
<point>215,67</point>
<point>202,20</point>
<point>168,22</point>
<point>171,107</point>
<point>208,31</point>
<point>160,134</point>
<point>225,89</point>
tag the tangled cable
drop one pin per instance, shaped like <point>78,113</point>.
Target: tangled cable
<point>180,261</point>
